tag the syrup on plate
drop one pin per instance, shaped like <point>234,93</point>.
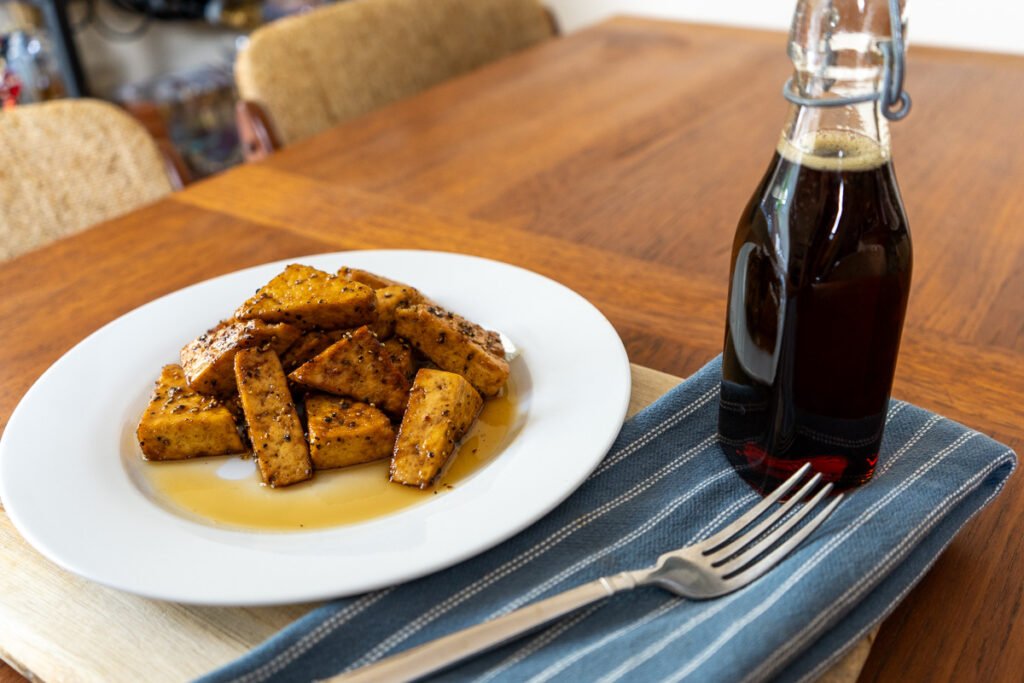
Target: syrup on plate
<point>226,491</point>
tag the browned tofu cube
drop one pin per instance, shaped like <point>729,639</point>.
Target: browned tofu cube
<point>389,300</point>
<point>344,432</point>
<point>274,428</point>
<point>307,347</point>
<point>489,339</point>
<point>453,345</point>
<point>400,355</point>
<point>180,423</point>
<point>209,360</point>
<point>367,278</point>
<point>359,368</point>
<point>310,298</point>
<point>442,408</point>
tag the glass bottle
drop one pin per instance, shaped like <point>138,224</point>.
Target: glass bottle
<point>821,260</point>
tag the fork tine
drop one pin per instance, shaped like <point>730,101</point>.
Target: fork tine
<point>724,552</point>
<point>753,513</point>
<point>768,541</point>
<point>760,567</point>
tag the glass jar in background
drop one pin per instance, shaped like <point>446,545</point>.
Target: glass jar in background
<point>27,54</point>
<point>821,260</point>
<point>197,110</point>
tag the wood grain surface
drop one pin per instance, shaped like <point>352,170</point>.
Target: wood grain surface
<point>617,161</point>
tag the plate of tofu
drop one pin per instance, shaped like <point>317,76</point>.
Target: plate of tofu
<point>314,428</point>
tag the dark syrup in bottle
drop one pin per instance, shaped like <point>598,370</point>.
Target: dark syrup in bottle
<point>821,267</point>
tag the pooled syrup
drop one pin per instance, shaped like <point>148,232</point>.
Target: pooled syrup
<point>226,491</point>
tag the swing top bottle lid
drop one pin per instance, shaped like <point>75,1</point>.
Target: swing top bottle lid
<point>849,51</point>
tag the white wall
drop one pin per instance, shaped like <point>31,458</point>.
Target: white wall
<point>996,25</point>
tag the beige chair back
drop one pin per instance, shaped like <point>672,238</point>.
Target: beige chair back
<point>313,71</point>
<point>68,164</point>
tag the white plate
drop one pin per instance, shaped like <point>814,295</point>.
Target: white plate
<point>65,461</point>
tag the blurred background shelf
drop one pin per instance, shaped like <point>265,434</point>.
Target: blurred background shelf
<point>168,62</point>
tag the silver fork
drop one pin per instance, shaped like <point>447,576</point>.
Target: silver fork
<point>725,562</point>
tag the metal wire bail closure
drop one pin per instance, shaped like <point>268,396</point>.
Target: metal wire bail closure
<point>895,102</point>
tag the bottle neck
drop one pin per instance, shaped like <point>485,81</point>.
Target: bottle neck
<point>851,137</point>
<point>841,53</point>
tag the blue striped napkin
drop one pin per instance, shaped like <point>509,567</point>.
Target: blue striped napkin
<point>664,484</point>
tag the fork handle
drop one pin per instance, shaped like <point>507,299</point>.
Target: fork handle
<point>443,652</point>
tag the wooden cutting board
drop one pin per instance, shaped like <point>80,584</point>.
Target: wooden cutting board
<point>55,626</point>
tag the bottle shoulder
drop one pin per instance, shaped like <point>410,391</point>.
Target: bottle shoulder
<point>818,224</point>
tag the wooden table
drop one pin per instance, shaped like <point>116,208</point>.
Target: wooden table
<point>617,161</point>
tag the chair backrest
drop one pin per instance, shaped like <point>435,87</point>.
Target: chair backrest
<point>315,70</point>
<point>68,164</point>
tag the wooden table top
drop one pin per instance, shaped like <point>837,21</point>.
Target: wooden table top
<point>617,161</point>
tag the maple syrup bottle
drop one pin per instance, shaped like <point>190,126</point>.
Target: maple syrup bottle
<point>821,261</point>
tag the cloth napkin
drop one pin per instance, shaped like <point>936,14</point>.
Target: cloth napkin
<point>664,484</point>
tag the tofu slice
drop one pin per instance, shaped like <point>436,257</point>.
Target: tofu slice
<point>344,432</point>
<point>400,355</point>
<point>357,367</point>
<point>310,298</point>
<point>489,339</point>
<point>209,360</point>
<point>442,408</point>
<point>274,428</point>
<point>389,300</point>
<point>180,423</point>
<point>367,278</point>
<point>307,347</point>
<point>453,344</point>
